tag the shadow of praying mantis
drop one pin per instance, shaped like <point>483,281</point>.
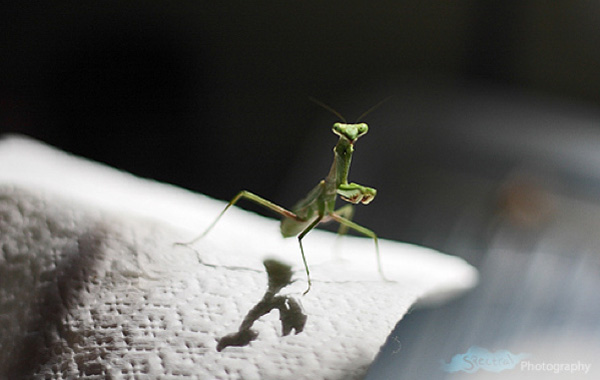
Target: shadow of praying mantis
<point>291,314</point>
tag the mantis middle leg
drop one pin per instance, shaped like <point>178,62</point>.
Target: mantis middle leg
<point>363,230</point>
<point>300,237</point>
<point>346,212</point>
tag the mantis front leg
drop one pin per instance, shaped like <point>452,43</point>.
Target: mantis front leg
<point>355,193</point>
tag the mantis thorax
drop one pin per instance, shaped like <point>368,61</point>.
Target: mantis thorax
<point>343,150</point>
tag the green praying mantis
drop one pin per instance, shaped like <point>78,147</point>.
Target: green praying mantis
<point>319,204</point>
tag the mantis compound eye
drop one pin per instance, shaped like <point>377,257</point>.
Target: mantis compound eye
<point>338,129</point>
<point>362,129</point>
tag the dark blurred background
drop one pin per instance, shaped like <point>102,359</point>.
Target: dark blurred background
<point>214,96</point>
<point>487,148</point>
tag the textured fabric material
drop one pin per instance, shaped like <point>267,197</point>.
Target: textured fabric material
<point>92,285</point>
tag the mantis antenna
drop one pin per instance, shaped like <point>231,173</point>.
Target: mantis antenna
<point>373,108</point>
<point>336,113</point>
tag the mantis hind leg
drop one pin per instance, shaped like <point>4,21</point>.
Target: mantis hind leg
<point>251,197</point>
<point>273,207</point>
<point>365,231</point>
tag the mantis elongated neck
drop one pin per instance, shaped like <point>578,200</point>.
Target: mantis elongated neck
<point>342,156</point>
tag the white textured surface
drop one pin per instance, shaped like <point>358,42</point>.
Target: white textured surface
<point>92,286</point>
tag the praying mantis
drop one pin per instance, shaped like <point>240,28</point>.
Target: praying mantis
<point>319,204</point>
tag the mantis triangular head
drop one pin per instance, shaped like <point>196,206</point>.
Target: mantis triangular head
<point>350,131</point>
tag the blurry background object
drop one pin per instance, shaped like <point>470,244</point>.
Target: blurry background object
<point>510,183</point>
<point>487,150</point>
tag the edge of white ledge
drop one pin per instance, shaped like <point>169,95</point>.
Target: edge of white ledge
<point>25,161</point>
<point>343,283</point>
